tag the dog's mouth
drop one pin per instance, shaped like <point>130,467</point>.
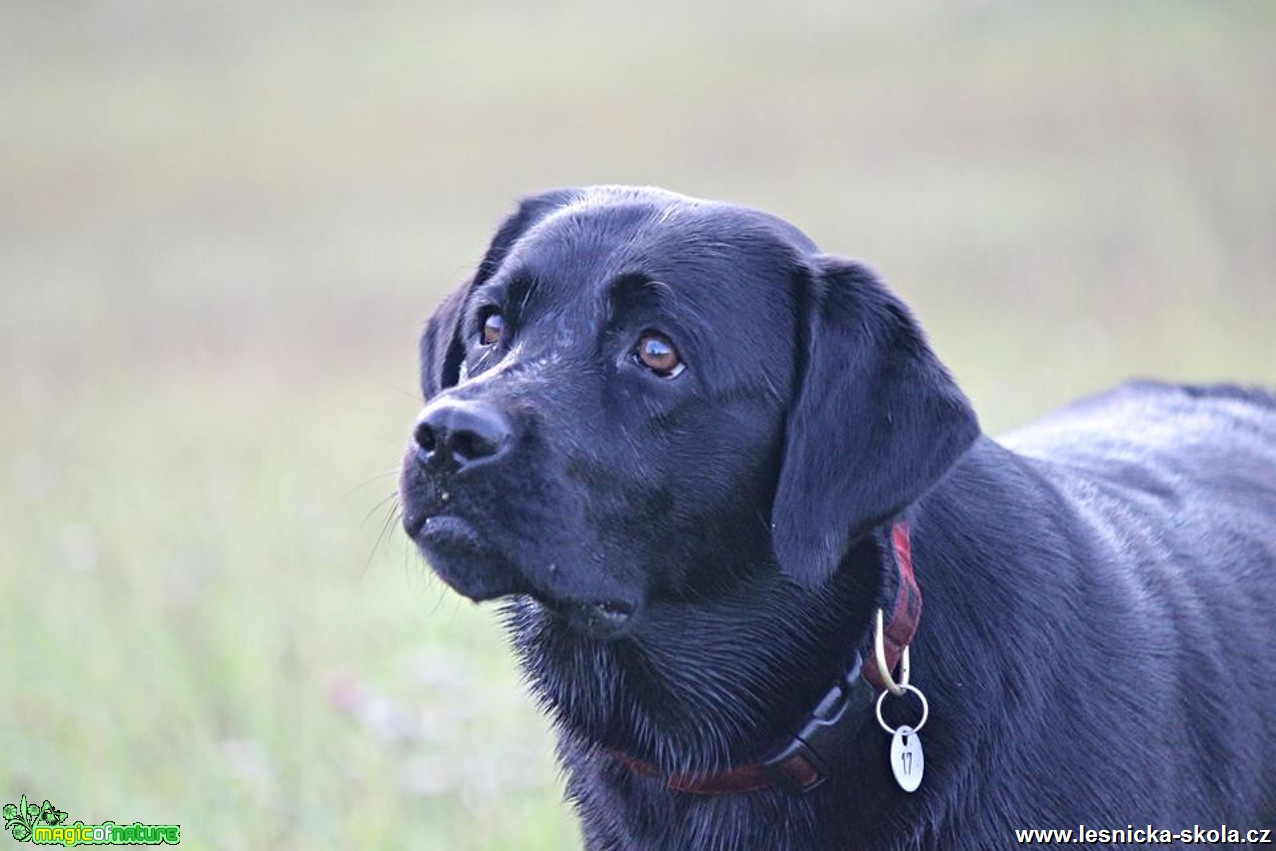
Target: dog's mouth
<point>441,528</point>
<point>601,619</point>
<point>456,550</point>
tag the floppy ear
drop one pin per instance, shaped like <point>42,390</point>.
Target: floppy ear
<point>876,422</point>
<point>442,346</point>
<point>442,349</point>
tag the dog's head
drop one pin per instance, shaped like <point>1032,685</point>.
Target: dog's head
<point>640,398</point>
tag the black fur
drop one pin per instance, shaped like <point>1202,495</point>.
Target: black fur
<point>1096,642</point>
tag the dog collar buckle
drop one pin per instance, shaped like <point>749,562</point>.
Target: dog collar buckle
<point>810,756</point>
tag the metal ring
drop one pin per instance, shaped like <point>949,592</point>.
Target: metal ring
<point>925,709</point>
<point>879,648</point>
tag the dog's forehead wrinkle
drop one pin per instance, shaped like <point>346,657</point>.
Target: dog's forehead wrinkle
<point>670,207</point>
<point>638,226</point>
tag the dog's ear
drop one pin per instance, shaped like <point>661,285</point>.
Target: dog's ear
<point>442,346</point>
<point>442,349</point>
<point>876,421</point>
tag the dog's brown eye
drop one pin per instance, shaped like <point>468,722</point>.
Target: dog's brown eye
<point>657,353</point>
<point>493,328</point>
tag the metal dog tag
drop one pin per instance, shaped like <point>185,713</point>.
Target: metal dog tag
<point>906,759</point>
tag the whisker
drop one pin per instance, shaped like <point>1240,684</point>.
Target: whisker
<point>414,395</point>
<point>393,471</point>
<point>380,504</point>
<point>392,514</point>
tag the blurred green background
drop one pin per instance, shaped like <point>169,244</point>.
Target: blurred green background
<point>222,226</point>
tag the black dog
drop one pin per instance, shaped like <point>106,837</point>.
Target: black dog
<point>696,457</point>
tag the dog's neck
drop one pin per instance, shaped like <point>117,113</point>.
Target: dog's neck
<point>818,746</point>
<point>714,684</point>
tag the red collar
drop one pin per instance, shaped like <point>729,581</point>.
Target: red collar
<point>809,756</point>
<point>902,617</point>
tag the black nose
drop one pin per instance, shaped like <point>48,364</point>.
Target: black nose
<point>461,433</point>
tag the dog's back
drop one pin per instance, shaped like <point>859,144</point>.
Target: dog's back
<point>1179,485</point>
<point>1176,427</point>
<point>1167,469</point>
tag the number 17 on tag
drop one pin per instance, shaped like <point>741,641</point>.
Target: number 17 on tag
<point>907,761</point>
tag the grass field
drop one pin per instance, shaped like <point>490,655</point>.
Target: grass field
<point>222,225</point>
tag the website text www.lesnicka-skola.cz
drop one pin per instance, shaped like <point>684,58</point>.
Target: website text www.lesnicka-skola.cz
<point>1147,835</point>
